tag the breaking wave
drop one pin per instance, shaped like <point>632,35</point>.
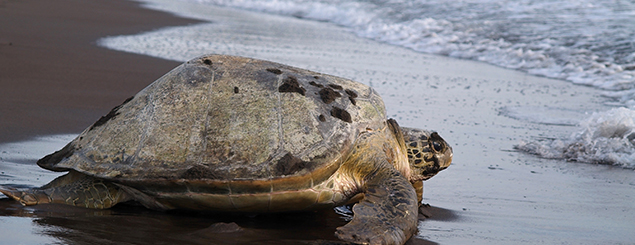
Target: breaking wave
<point>603,138</point>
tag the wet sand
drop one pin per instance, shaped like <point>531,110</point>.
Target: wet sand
<point>490,195</point>
<point>54,77</point>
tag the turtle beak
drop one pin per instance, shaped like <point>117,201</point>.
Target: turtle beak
<point>445,158</point>
<point>443,151</point>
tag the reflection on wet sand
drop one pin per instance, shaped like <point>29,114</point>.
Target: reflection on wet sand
<point>128,224</point>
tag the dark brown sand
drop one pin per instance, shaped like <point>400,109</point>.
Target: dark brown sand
<point>54,78</point>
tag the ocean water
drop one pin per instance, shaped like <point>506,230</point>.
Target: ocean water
<point>589,42</point>
<point>603,138</point>
<point>585,42</point>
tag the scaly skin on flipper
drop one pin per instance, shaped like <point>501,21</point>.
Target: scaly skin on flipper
<point>388,213</point>
<point>72,189</point>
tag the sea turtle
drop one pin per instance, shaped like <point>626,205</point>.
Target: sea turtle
<point>232,134</point>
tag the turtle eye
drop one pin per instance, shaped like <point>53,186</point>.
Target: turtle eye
<point>437,146</point>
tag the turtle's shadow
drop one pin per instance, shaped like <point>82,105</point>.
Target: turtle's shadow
<point>441,214</point>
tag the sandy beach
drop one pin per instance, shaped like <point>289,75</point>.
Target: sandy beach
<point>54,77</point>
<point>491,194</point>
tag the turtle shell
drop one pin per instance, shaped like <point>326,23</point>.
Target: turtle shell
<point>226,118</point>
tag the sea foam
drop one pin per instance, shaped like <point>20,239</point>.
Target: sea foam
<point>603,138</point>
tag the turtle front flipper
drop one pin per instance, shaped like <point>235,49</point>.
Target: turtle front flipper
<point>72,189</point>
<point>388,214</point>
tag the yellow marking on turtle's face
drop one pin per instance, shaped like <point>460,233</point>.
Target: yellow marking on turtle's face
<point>428,153</point>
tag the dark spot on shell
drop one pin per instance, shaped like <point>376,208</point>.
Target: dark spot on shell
<point>112,114</point>
<point>418,155</point>
<point>413,144</point>
<point>423,137</point>
<point>352,101</point>
<point>207,62</point>
<point>198,172</point>
<point>290,164</point>
<point>351,96</point>
<point>417,161</point>
<point>236,90</point>
<point>335,86</point>
<point>322,118</point>
<point>329,95</point>
<point>415,151</point>
<point>289,85</point>
<point>341,114</point>
<point>274,71</point>
<point>316,84</point>
<point>50,160</point>
<point>351,93</point>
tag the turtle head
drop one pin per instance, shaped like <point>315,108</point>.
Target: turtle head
<point>427,153</point>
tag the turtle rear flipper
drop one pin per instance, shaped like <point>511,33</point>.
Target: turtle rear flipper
<point>388,213</point>
<point>73,189</point>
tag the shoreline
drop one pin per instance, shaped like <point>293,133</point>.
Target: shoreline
<point>490,194</point>
<point>55,78</point>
